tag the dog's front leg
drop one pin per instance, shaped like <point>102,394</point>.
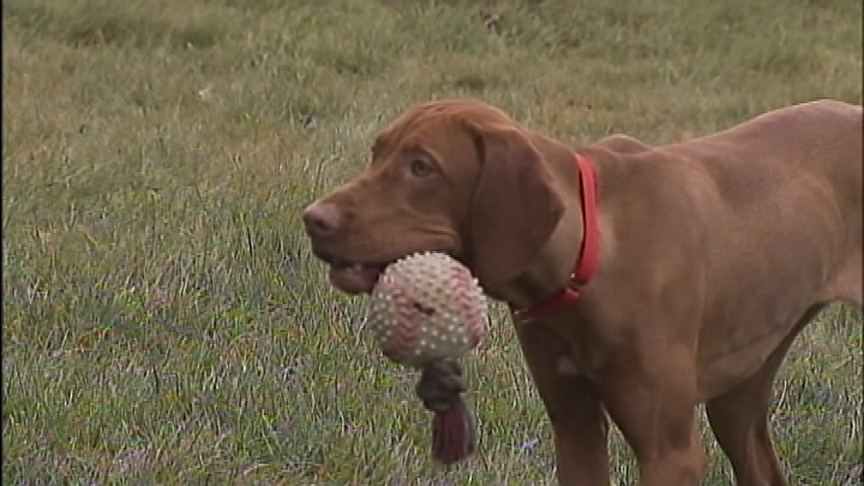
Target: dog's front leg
<point>651,397</point>
<point>579,423</point>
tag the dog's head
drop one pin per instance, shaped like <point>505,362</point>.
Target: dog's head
<point>455,176</point>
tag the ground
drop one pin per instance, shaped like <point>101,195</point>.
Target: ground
<point>164,321</point>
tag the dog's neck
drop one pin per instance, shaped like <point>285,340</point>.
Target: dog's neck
<point>552,270</point>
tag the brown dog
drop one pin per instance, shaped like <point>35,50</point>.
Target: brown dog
<point>697,264</point>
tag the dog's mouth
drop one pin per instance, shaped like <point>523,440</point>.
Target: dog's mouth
<point>357,277</point>
<point>354,277</point>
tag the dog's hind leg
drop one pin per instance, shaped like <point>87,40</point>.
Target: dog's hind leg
<point>739,419</point>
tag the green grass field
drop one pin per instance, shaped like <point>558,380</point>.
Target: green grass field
<point>163,320</point>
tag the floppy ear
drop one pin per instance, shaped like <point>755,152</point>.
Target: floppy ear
<point>514,208</point>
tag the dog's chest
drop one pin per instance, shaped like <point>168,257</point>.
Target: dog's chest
<point>566,366</point>
<point>575,351</point>
<point>574,364</point>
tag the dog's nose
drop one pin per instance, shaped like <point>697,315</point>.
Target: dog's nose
<point>322,219</point>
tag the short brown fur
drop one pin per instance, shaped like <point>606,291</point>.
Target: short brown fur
<point>714,253</point>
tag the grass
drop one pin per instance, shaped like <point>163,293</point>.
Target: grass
<point>163,319</point>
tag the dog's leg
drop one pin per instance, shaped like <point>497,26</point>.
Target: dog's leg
<point>653,403</point>
<point>579,423</point>
<point>847,283</point>
<point>739,419</point>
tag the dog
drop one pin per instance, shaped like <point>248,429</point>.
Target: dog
<point>642,280</point>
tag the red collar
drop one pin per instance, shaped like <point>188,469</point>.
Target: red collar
<point>587,261</point>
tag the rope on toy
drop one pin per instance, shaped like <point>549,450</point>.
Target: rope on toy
<point>453,432</point>
<point>453,435</point>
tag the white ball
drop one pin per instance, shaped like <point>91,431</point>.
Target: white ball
<point>426,307</point>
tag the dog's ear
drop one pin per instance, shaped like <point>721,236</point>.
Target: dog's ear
<point>514,208</point>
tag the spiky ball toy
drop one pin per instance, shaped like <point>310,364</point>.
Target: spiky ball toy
<point>426,309</point>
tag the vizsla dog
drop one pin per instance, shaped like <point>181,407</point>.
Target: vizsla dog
<point>642,280</point>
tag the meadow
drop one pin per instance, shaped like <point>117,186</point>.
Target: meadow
<point>163,319</point>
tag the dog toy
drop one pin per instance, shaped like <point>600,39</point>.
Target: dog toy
<point>426,310</point>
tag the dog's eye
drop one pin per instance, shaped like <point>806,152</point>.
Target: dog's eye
<point>420,167</point>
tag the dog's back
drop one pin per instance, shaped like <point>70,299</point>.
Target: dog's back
<point>793,176</point>
<point>768,214</point>
<point>820,138</point>
<point>784,225</point>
